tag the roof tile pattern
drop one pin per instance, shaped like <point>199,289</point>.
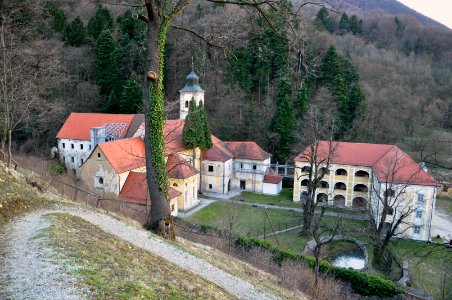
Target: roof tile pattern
<point>135,189</point>
<point>388,162</point>
<point>78,125</point>
<point>247,150</point>
<point>271,177</point>
<point>124,154</point>
<point>173,136</point>
<point>178,168</point>
<point>219,151</point>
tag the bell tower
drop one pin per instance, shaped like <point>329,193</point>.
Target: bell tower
<point>190,91</point>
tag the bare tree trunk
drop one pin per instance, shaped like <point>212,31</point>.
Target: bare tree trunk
<point>9,148</point>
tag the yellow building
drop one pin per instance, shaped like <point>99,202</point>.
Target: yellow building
<point>358,175</point>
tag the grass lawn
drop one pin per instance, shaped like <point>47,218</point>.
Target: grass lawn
<point>445,203</point>
<point>247,220</point>
<point>285,199</point>
<point>114,269</point>
<point>428,266</point>
<point>292,239</point>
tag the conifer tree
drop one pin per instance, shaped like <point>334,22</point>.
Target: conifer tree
<point>331,66</point>
<point>191,134</point>
<point>101,21</point>
<point>207,139</point>
<point>132,96</point>
<point>302,99</point>
<point>323,21</point>
<point>74,33</point>
<point>58,18</point>
<point>343,24</point>
<point>284,122</point>
<point>112,103</point>
<point>108,63</point>
<point>355,25</point>
<point>345,116</point>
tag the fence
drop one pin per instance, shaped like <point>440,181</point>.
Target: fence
<point>77,193</point>
<point>4,157</point>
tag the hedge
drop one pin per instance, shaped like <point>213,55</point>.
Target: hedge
<point>362,283</point>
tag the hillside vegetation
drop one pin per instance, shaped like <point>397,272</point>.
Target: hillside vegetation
<point>389,80</point>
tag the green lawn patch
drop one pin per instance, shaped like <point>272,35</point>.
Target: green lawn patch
<point>428,265</point>
<point>114,269</point>
<point>247,220</point>
<point>283,199</point>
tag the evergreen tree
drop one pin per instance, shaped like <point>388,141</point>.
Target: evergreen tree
<point>101,21</point>
<point>132,96</point>
<point>302,99</point>
<point>58,18</point>
<point>284,120</point>
<point>192,136</point>
<point>108,64</point>
<point>134,28</point>
<point>330,67</point>
<point>113,104</point>
<point>207,139</point>
<point>344,24</point>
<point>323,21</point>
<point>74,33</point>
<point>355,100</point>
<point>345,115</point>
<point>355,25</point>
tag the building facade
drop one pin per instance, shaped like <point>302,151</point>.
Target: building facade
<point>360,175</point>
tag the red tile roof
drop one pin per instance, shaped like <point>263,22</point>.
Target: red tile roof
<point>398,167</point>
<point>135,189</point>
<point>124,154</point>
<point>271,177</point>
<point>178,168</point>
<point>173,136</point>
<point>387,161</point>
<point>78,125</point>
<point>219,151</point>
<point>247,150</point>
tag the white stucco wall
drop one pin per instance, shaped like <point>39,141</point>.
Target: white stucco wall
<point>69,150</point>
<point>271,188</point>
<point>187,96</point>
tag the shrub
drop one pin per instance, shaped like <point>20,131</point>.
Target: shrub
<point>361,283</point>
<point>57,169</point>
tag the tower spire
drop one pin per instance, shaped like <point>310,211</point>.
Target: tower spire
<point>192,64</point>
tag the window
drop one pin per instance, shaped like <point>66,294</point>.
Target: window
<point>82,160</point>
<point>254,167</point>
<point>72,146</point>
<point>389,193</point>
<point>210,186</point>
<point>81,146</point>
<point>419,214</point>
<point>241,166</point>
<point>172,207</point>
<point>174,184</point>
<point>98,154</point>
<point>72,159</point>
<point>186,104</point>
<point>420,198</point>
<point>100,180</point>
<point>64,145</point>
<point>89,147</point>
<point>210,168</point>
<point>417,229</point>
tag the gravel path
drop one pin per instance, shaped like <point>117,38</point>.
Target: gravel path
<point>25,228</point>
<point>27,268</point>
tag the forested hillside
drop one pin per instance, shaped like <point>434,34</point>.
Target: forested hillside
<point>383,78</point>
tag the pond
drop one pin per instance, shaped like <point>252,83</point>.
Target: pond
<point>351,259</point>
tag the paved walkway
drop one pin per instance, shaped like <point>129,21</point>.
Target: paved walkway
<point>362,216</point>
<point>441,224</point>
<point>26,283</point>
<point>202,203</point>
